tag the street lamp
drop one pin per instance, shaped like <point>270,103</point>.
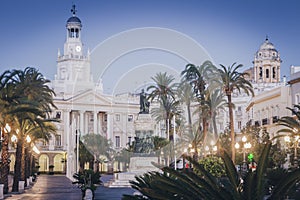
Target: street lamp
<point>293,144</point>
<point>246,145</point>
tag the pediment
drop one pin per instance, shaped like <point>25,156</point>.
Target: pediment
<point>90,97</point>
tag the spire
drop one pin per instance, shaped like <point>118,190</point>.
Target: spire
<point>267,37</point>
<point>73,10</point>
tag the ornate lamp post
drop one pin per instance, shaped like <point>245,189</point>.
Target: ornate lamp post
<point>246,145</point>
<point>293,144</point>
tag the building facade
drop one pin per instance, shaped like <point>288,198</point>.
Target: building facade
<point>295,84</point>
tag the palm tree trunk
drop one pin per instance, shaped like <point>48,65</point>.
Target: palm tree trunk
<point>231,126</point>
<point>204,130</point>
<point>17,171</point>
<point>215,129</point>
<point>4,170</point>
<point>189,119</point>
<point>27,164</point>
<point>23,163</point>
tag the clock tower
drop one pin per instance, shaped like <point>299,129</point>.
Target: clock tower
<point>73,67</point>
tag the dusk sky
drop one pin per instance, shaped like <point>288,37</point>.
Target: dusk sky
<point>230,31</point>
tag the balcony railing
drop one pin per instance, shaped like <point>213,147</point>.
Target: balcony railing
<point>50,148</point>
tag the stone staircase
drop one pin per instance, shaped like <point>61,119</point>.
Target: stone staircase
<point>121,180</point>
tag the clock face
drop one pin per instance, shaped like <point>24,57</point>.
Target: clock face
<point>78,48</point>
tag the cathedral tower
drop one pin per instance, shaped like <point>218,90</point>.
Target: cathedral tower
<point>267,64</point>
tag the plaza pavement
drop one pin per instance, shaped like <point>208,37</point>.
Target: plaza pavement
<point>59,187</point>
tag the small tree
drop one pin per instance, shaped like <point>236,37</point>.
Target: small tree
<point>87,179</point>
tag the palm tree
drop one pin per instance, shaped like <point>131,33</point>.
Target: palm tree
<point>164,92</point>
<point>291,123</point>
<point>291,128</point>
<point>232,80</point>
<point>5,122</point>
<point>201,78</point>
<point>186,96</point>
<point>216,103</point>
<point>31,102</point>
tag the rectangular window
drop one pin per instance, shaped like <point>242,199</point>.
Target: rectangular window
<point>297,99</point>
<point>105,117</point>
<point>118,117</point>
<point>117,141</point>
<point>58,115</point>
<point>239,125</point>
<point>130,118</point>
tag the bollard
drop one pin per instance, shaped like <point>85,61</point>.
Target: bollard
<point>88,194</point>
<point>1,191</point>
<point>21,186</point>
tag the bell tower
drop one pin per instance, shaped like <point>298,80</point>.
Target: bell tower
<point>267,64</point>
<point>73,67</point>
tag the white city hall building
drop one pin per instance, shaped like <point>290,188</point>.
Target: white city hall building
<point>83,108</point>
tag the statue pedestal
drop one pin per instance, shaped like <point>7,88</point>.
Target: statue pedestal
<point>137,167</point>
<point>141,163</point>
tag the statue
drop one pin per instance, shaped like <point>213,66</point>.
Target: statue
<point>144,146</point>
<point>144,104</point>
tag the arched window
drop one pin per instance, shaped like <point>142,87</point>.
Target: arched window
<point>267,73</point>
<point>260,72</point>
<point>44,163</point>
<point>12,162</point>
<point>59,163</point>
<point>274,72</point>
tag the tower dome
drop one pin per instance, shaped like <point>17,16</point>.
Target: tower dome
<point>74,21</point>
<point>267,45</point>
<point>267,51</point>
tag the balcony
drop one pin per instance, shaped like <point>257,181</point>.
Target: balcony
<point>50,148</point>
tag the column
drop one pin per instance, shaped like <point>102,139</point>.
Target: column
<point>95,122</point>
<point>255,75</point>
<point>81,122</point>
<point>67,143</point>
<point>109,133</point>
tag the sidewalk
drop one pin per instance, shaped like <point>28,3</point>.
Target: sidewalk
<point>49,187</point>
<point>59,187</point>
